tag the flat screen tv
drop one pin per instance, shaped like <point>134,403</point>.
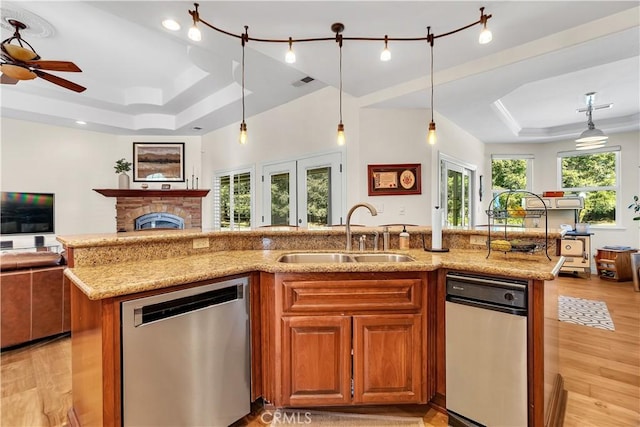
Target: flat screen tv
<point>26,213</point>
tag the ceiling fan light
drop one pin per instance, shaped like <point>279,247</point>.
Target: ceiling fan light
<point>591,146</point>
<point>20,53</point>
<point>17,72</point>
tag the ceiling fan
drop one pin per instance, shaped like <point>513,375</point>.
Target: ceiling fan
<point>21,63</point>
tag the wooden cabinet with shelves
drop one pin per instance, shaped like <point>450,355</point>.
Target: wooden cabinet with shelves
<point>347,339</point>
<point>614,264</point>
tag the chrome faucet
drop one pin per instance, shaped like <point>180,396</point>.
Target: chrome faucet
<point>373,211</point>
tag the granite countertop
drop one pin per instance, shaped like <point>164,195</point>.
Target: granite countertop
<point>106,281</point>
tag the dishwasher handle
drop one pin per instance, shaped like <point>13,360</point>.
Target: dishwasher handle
<point>168,309</point>
<point>487,305</point>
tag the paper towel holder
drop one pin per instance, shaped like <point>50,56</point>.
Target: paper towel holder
<point>424,246</point>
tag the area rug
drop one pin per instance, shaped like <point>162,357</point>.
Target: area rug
<point>584,312</point>
<point>288,417</point>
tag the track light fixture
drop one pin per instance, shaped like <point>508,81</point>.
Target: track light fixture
<point>243,126</point>
<point>385,55</point>
<point>194,32</point>
<point>337,28</point>
<point>290,57</point>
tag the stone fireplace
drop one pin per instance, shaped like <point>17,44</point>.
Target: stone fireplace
<point>184,207</point>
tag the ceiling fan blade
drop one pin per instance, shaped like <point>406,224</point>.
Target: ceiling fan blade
<point>6,80</point>
<point>54,65</point>
<point>60,81</point>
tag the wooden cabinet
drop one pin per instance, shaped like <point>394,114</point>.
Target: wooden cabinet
<point>577,252</point>
<point>613,264</point>
<point>348,339</point>
<point>33,305</point>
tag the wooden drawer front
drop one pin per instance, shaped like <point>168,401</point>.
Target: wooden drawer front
<point>351,295</point>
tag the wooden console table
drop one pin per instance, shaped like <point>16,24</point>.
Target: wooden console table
<point>614,264</point>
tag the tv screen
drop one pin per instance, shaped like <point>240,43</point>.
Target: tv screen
<point>26,213</point>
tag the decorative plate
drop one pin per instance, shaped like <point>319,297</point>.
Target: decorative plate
<point>407,179</point>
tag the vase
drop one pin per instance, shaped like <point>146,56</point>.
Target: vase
<point>123,181</point>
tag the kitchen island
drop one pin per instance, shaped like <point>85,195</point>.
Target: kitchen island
<point>107,270</point>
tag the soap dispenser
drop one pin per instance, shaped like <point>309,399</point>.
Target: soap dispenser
<point>404,238</point>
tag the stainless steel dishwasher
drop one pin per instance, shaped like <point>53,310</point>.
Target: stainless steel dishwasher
<point>486,351</point>
<point>186,357</point>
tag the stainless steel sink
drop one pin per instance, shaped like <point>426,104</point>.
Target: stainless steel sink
<point>312,257</point>
<point>382,258</point>
<point>315,258</point>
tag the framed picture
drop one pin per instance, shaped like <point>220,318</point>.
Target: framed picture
<point>158,161</point>
<point>389,180</point>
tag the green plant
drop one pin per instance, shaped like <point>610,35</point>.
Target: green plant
<point>122,166</point>
<point>636,207</point>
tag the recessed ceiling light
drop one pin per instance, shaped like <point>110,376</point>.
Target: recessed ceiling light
<point>81,122</point>
<point>170,24</point>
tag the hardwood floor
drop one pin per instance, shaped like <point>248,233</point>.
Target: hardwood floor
<point>601,369</point>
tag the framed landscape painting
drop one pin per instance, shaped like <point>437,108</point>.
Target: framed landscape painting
<point>158,161</point>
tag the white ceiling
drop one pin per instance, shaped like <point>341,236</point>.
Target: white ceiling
<point>525,86</point>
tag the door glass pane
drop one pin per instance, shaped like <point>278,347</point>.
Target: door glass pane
<point>225,201</point>
<point>466,199</point>
<point>280,199</point>
<point>242,200</point>
<point>318,197</point>
<point>454,198</point>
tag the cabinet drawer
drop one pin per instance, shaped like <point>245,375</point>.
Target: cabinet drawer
<point>300,296</point>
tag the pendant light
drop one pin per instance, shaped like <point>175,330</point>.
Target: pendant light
<point>338,28</point>
<point>243,126</point>
<point>431,134</point>
<point>290,57</point>
<point>385,55</point>
<point>592,137</point>
<point>485,35</point>
<point>194,32</point>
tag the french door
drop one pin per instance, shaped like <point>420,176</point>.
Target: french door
<point>306,192</point>
<point>456,189</point>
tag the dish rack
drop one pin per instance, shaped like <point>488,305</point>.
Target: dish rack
<point>520,213</point>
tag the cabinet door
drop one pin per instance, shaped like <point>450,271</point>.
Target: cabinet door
<point>15,316</point>
<point>316,360</point>
<point>387,358</point>
<point>47,313</point>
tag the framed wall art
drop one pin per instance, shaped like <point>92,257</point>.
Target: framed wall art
<point>158,161</point>
<point>397,179</point>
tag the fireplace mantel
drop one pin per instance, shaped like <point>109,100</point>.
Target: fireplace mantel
<point>108,192</point>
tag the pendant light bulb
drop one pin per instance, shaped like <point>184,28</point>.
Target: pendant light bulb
<point>485,35</point>
<point>385,55</point>
<point>431,135</point>
<point>341,138</point>
<point>290,57</point>
<point>194,33</point>
<point>243,133</point>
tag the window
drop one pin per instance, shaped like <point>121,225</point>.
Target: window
<point>594,176</point>
<point>510,172</point>
<point>233,200</point>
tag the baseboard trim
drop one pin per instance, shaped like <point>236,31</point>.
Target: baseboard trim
<point>557,404</point>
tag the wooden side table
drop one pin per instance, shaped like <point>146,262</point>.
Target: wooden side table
<point>614,264</point>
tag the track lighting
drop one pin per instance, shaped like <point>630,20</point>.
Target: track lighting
<point>194,32</point>
<point>243,126</point>
<point>290,57</point>
<point>431,134</point>
<point>337,28</point>
<point>485,34</point>
<point>385,55</point>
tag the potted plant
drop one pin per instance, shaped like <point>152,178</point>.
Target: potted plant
<point>636,208</point>
<point>122,167</point>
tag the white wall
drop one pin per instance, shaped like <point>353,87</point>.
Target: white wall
<point>545,179</point>
<point>374,136</point>
<point>70,163</point>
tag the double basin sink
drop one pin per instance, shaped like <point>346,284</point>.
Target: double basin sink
<point>311,257</point>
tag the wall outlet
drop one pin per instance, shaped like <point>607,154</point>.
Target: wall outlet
<point>200,243</point>
<point>474,239</point>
